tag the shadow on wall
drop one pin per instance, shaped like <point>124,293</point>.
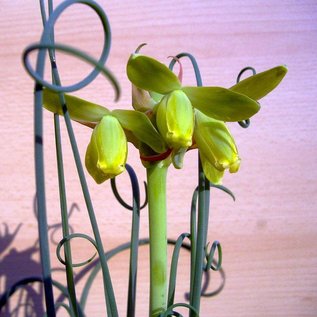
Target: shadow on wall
<point>19,267</point>
<point>21,275</point>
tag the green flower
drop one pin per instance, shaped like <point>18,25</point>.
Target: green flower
<point>175,119</point>
<point>107,150</point>
<point>213,107</point>
<point>166,119</point>
<point>218,150</point>
<point>219,103</point>
<point>174,112</point>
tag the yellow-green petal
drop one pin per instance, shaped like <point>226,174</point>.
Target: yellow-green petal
<point>216,143</point>
<point>149,74</point>
<point>141,127</point>
<point>106,153</point>
<point>79,109</point>
<point>156,96</point>
<point>214,175</point>
<point>91,160</point>
<point>222,104</point>
<point>175,119</point>
<point>261,84</point>
<point>141,99</point>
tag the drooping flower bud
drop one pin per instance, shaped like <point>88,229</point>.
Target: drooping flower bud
<point>175,119</point>
<point>106,153</point>
<point>216,143</point>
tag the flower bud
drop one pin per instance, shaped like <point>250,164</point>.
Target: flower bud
<point>216,143</point>
<point>106,153</point>
<point>141,99</point>
<point>175,119</point>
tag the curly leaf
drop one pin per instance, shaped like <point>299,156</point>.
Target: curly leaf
<point>140,125</point>
<point>222,104</point>
<point>149,74</point>
<point>79,109</point>
<point>259,85</point>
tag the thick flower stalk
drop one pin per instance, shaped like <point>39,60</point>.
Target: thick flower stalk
<point>157,205</point>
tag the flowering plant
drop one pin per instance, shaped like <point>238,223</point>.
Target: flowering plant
<point>167,120</point>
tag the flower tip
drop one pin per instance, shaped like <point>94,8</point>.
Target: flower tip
<point>139,48</point>
<point>110,169</point>
<point>281,71</point>
<point>234,167</point>
<point>284,69</point>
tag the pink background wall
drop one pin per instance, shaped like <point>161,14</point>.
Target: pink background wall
<point>269,234</point>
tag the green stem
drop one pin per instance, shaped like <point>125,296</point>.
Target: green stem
<point>156,178</point>
<point>202,230</point>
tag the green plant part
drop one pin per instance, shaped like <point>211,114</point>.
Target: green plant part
<point>107,150</point>
<point>142,100</point>
<point>175,119</point>
<point>214,106</point>
<point>218,151</point>
<point>259,85</point>
<point>115,126</point>
<point>220,103</point>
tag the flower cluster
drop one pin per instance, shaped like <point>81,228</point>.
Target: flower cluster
<point>168,119</point>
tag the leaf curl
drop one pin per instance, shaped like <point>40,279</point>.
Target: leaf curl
<point>68,238</point>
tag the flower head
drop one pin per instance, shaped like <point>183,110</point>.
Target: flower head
<point>217,147</point>
<point>211,106</point>
<point>220,103</point>
<point>167,120</point>
<point>106,153</point>
<point>107,150</point>
<point>175,119</point>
